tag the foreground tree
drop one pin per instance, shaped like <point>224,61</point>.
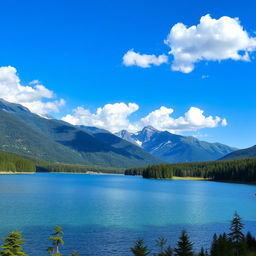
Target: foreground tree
<point>221,246</point>
<point>13,245</point>
<point>184,246</point>
<point>139,249</point>
<point>57,240</point>
<point>236,235</point>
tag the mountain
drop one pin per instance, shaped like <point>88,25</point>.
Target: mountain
<point>174,148</point>
<point>22,131</point>
<point>242,153</point>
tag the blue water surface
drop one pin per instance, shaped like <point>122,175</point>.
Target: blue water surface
<point>104,214</point>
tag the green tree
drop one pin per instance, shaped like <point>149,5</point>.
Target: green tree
<point>236,235</point>
<point>139,249</point>
<point>57,240</point>
<point>184,246</point>
<point>13,245</point>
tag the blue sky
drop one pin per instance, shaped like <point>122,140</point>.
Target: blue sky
<point>75,48</point>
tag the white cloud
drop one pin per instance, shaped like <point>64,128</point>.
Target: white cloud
<point>132,58</point>
<point>210,40</point>
<point>115,117</point>
<point>194,119</point>
<point>34,96</point>
<point>34,82</point>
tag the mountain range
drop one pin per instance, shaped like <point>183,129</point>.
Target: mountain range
<point>242,153</point>
<point>49,139</point>
<point>24,132</point>
<point>174,148</point>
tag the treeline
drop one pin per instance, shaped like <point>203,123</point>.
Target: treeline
<point>72,168</point>
<point>12,163</point>
<point>234,243</point>
<point>243,170</point>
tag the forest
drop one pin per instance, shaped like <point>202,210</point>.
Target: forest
<point>13,163</point>
<point>232,243</point>
<point>243,170</point>
<point>10,162</point>
<point>72,168</point>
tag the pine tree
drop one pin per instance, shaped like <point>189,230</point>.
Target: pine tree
<point>139,249</point>
<point>250,241</point>
<point>57,240</point>
<point>13,245</point>
<point>184,246</point>
<point>214,245</point>
<point>236,235</point>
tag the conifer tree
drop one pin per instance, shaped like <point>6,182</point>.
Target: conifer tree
<point>57,240</point>
<point>13,245</point>
<point>250,241</point>
<point>184,246</point>
<point>139,249</point>
<point>236,235</point>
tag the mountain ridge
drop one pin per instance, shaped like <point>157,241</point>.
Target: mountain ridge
<point>175,148</point>
<point>22,131</point>
<point>241,154</point>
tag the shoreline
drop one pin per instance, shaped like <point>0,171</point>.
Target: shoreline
<point>13,173</point>
<point>89,172</point>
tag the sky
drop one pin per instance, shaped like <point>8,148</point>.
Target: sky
<point>183,66</point>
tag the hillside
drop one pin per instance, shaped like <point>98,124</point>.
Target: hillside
<point>174,148</point>
<point>242,153</point>
<point>57,141</point>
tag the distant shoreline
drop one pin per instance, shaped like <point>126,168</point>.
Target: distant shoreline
<point>13,173</point>
<point>89,172</point>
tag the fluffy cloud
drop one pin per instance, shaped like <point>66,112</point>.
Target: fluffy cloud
<point>210,40</point>
<point>194,119</point>
<point>132,58</point>
<point>115,117</point>
<point>31,96</point>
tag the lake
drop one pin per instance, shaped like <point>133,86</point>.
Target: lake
<point>105,214</point>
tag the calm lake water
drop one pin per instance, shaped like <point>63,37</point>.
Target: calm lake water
<point>105,214</point>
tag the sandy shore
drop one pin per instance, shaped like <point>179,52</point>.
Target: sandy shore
<point>7,173</point>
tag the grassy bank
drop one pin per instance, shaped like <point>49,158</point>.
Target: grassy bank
<point>188,178</point>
